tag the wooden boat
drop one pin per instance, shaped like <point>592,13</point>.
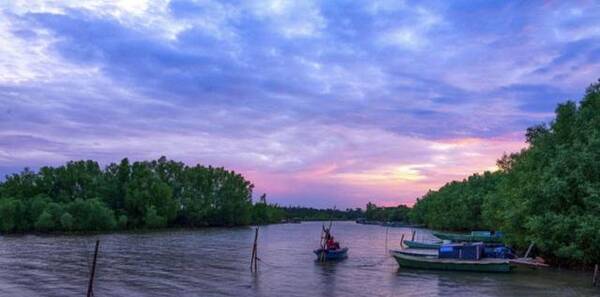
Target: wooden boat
<point>436,245</point>
<point>422,245</point>
<point>428,259</point>
<point>529,262</point>
<point>332,255</point>
<point>475,236</point>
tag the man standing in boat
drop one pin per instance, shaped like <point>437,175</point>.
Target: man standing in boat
<point>330,242</point>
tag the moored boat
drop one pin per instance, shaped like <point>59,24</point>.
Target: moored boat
<point>475,236</point>
<point>422,245</point>
<point>429,259</point>
<point>331,255</point>
<point>490,248</point>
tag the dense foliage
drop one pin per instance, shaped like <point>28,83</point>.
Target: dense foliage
<point>81,196</point>
<point>458,205</point>
<point>386,214</point>
<point>548,193</point>
<point>314,214</point>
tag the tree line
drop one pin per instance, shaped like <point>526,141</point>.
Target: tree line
<point>82,196</point>
<point>399,213</point>
<point>548,193</point>
<point>315,214</point>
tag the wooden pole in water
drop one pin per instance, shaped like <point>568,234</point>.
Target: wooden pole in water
<point>413,235</point>
<point>595,279</point>
<point>402,241</point>
<point>254,259</point>
<point>91,283</point>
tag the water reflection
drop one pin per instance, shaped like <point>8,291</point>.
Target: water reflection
<point>215,262</point>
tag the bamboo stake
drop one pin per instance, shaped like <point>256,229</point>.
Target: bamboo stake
<point>413,235</point>
<point>91,282</point>
<point>324,233</point>
<point>254,259</point>
<point>595,278</point>
<point>323,243</point>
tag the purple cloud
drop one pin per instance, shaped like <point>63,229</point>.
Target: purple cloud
<point>319,103</point>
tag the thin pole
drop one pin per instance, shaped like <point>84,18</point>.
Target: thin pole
<point>529,249</point>
<point>324,242</point>
<point>324,239</point>
<point>413,235</point>
<point>254,259</point>
<point>91,283</point>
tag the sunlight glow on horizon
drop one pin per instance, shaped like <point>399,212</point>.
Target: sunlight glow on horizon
<point>318,103</point>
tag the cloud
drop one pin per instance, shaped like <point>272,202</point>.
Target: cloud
<point>319,103</point>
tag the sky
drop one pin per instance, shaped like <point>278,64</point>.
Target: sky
<point>318,103</point>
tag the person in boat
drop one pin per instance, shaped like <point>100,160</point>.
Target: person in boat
<point>331,244</point>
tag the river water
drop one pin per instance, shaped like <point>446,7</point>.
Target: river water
<point>215,262</point>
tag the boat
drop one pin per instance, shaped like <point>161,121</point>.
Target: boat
<point>489,247</point>
<point>331,255</point>
<point>529,262</point>
<point>422,245</point>
<point>475,236</point>
<point>429,259</point>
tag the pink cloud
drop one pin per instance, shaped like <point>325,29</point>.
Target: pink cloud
<point>382,179</point>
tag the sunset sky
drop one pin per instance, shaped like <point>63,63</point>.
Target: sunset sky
<point>318,103</point>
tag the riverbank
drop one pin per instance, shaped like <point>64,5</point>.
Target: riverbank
<point>389,224</point>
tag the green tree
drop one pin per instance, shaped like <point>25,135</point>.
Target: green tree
<point>122,222</point>
<point>67,221</point>
<point>153,220</point>
<point>45,222</point>
<point>9,211</point>
<point>548,193</point>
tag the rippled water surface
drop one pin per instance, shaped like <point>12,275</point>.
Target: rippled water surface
<point>215,262</point>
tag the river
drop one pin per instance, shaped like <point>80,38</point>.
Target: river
<point>215,262</point>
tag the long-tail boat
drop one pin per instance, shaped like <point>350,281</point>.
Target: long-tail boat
<point>422,245</point>
<point>331,255</point>
<point>457,257</point>
<point>431,261</point>
<point>475,236</point>
<point>330,250</point>
<point>436,245</point>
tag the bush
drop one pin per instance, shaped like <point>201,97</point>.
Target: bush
<point>8,214</point>
<point>153,220</point>
<point>122,222</point>
<point>67,221</point>
<point>45,222</point>
<point>91,215</point>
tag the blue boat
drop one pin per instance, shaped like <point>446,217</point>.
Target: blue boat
<point>332,255</point>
